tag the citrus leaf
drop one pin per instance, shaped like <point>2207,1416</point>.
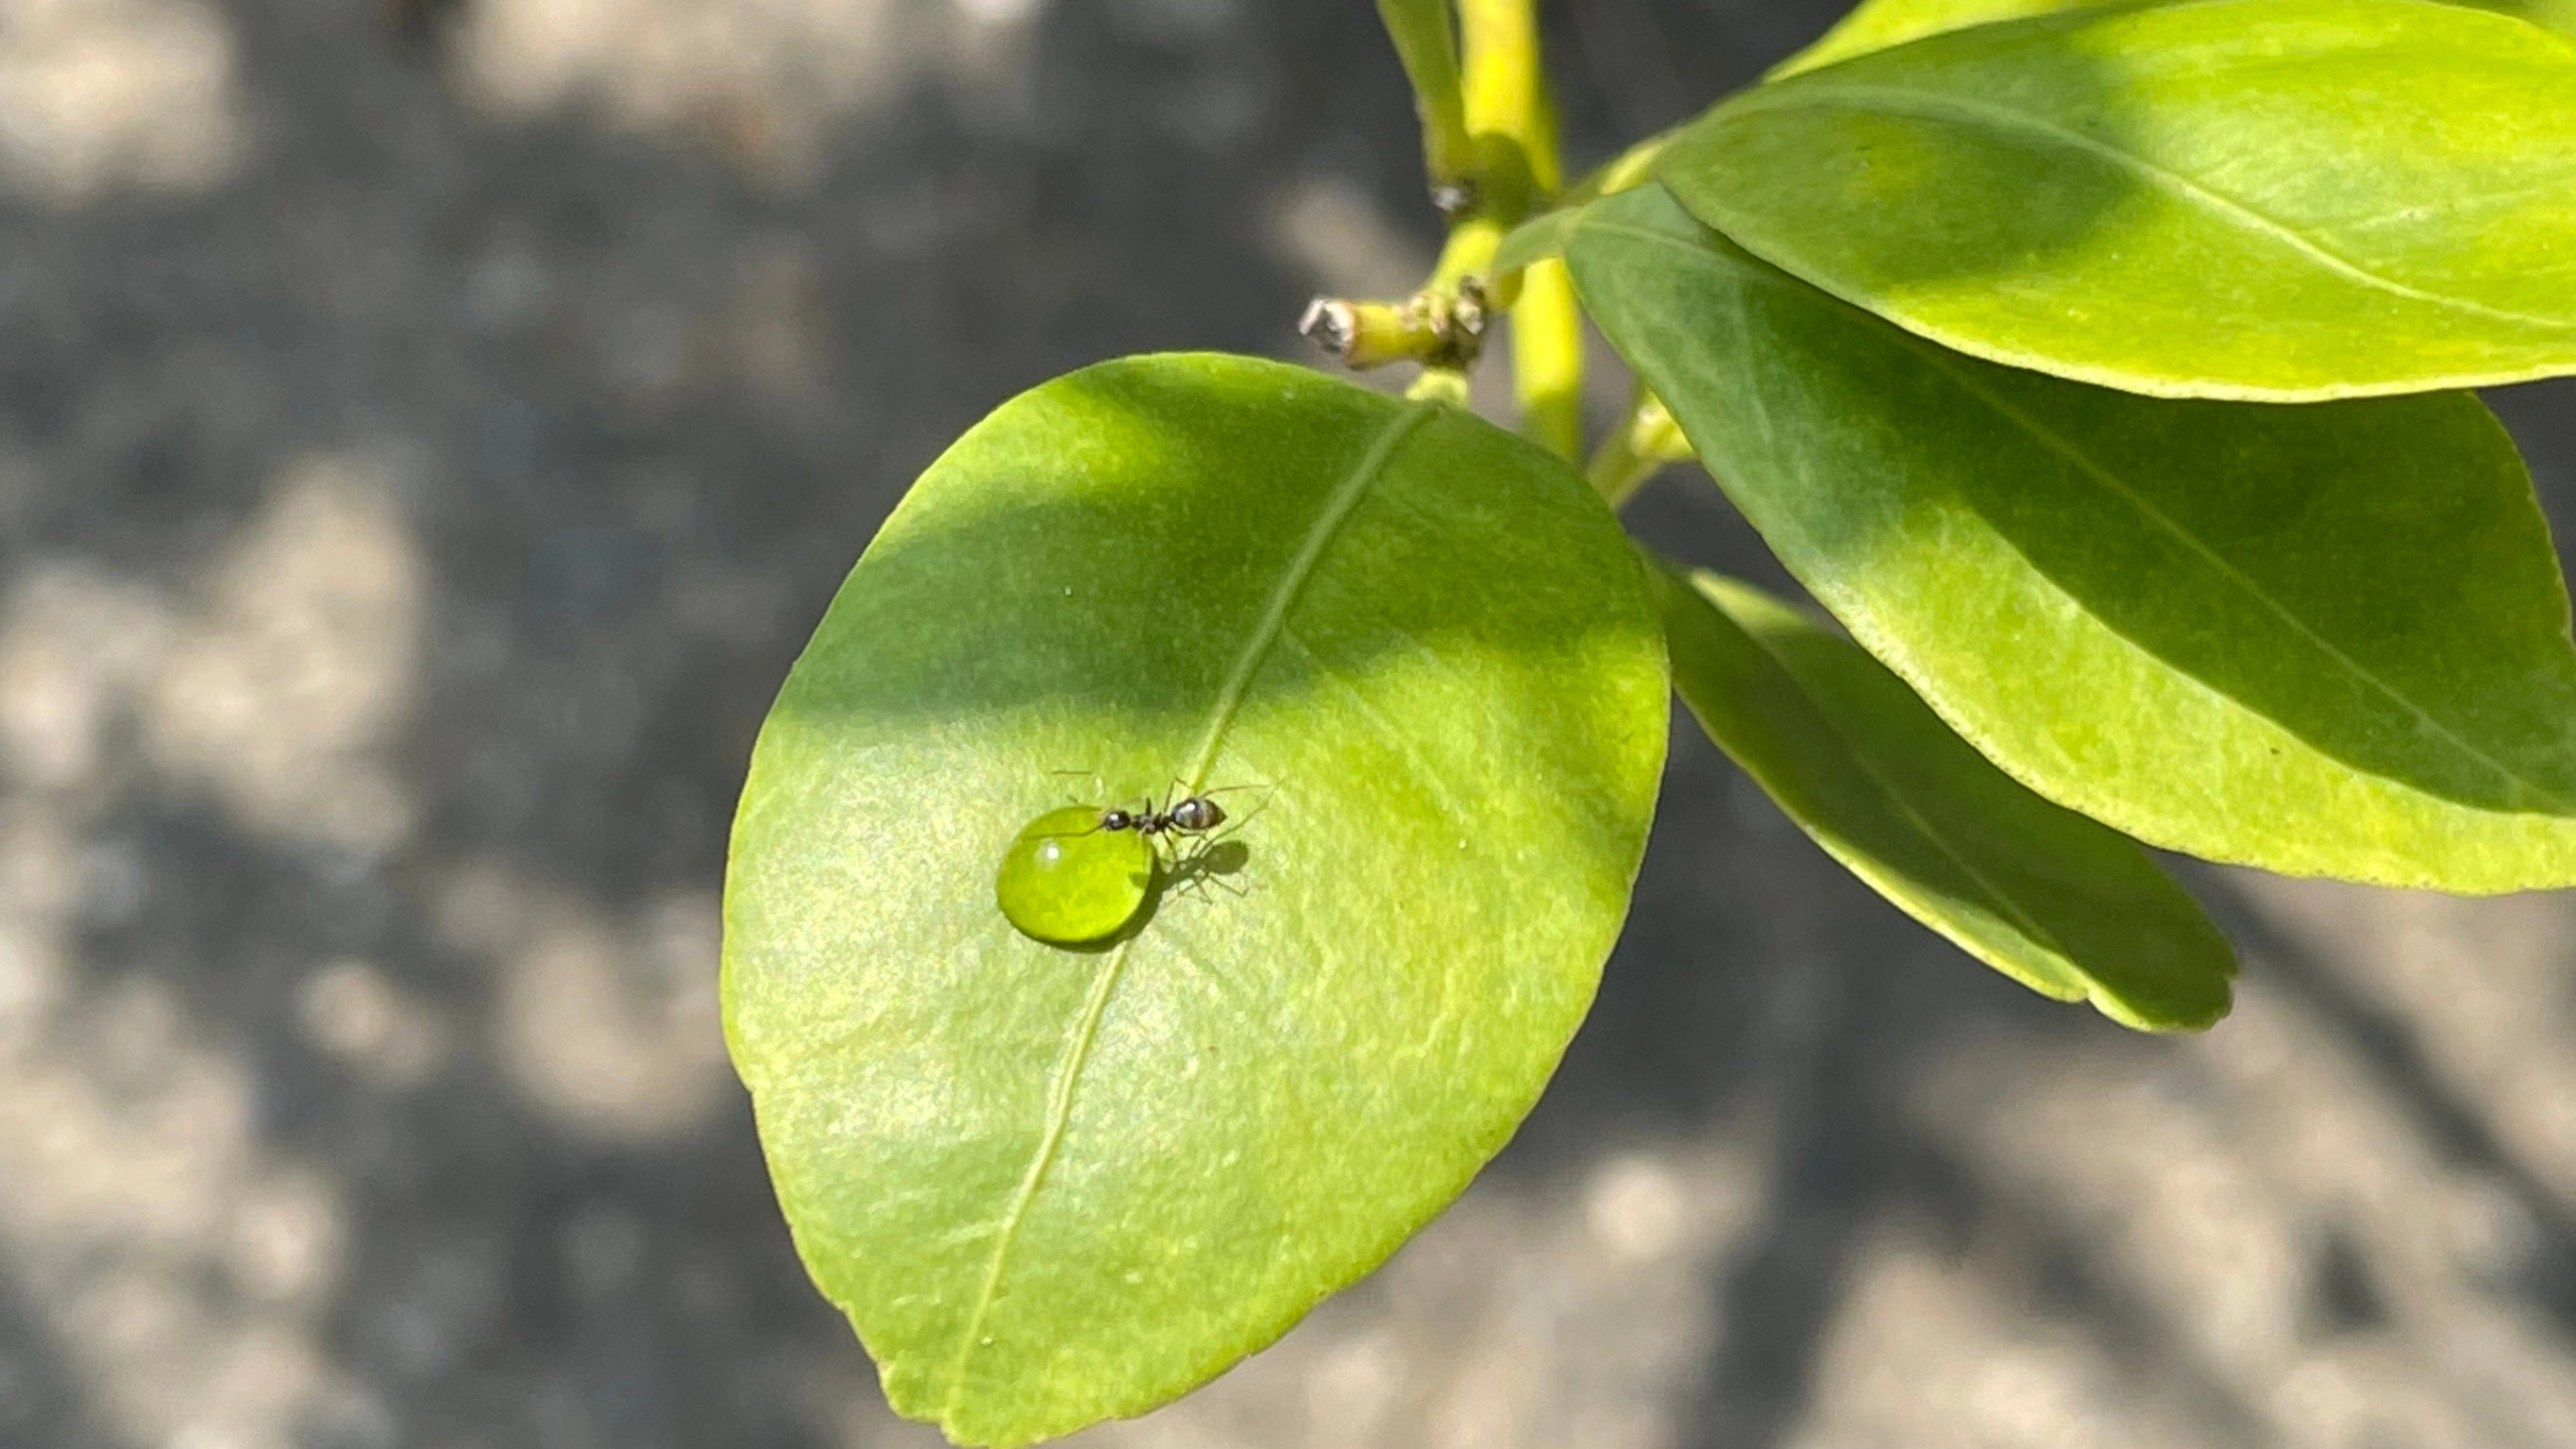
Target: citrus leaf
<point>1053,1185</point>
<point>1535,240</point>
<point>2065,906</point>
<point>1878,24</point>
<point>2281,200</point>
<point>2327,640</point>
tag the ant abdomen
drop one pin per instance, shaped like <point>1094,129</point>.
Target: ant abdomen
<point>1196,814</point>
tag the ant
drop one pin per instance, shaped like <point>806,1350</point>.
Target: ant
<point>1194,817</point>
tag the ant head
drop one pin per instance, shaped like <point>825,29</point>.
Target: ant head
<point>1116,820</point>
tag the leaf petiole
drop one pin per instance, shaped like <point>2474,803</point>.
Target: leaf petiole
<point>1646,441</point>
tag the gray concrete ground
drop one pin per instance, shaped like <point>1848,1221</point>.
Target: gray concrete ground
<point>426,433</point>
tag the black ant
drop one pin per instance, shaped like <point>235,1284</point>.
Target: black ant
<point>1193,817</point>
<point>1196,815</point>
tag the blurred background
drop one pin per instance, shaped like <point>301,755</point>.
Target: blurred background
<point>428,429</point>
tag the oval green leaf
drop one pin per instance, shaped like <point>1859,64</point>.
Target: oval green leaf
<point>1878,24</point>
<point>1051,1186</point>
<point>2327,640</point>
<point>2061,904</point>
<point>2281,200</point>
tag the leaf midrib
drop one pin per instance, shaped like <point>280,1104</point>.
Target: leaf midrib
<point>1999,900</point>
<point>2531,792</point>
<point>1338,506</point>
<point>2528,792</point>
<point>1941,106</point>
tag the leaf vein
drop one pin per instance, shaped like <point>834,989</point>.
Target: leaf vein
<point>1338,506</point>
<point>1999,900</point>
<point>2521,787</point>
<point>1059,1112</point>
<point>1926,104</point>
<point>2524,789</point>
<point>1337,510</point>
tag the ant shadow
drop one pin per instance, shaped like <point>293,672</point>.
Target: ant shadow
<point>1210,868</point>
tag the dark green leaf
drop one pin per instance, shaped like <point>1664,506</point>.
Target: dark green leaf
<point>1053,1185</point>
<point>2328,640</point>
<point>2281,200</point>
<point>2066,907</point>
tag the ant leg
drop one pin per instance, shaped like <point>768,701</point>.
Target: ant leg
<point>1196,868</point>
<point>1187,877</point>
<point>1159,806</point>
<point>1186,862</point>
<point>1094,829</point>
<point>1205,872</point>
<point>1234,823</point>
<point>1147,806</point>
<point>1093,776</point>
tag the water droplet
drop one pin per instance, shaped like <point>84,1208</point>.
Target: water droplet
<point>1066,881</point>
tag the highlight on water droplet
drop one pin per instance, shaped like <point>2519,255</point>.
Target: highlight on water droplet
<point>1067,881</point>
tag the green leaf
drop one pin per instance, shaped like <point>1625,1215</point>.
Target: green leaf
<point>1538,239</point>
<point>2327,640</point>
<point>1050,1185</point>
<point>1878,24</point>
<point>2060,904</point>
<point>2281,200</point>
<point>2558,15</point>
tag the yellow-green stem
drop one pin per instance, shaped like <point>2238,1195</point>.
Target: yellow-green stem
<point>1440,384</point>
<point>1505,91</point>
<point>1547,359</point>
<point>1432,327</point>
<point>1507,96</point>
<point>1469,252</point>
<point>1425,42</point>
<point>1645,441</point>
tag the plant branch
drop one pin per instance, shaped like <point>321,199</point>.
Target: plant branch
<point>1643,444</point>
<point>1437,327</point>
<point>1440,384</point>
<point>1425,42</point>
<point>1507,99</point>
<point>1547,359</point>
<point>1489,143</point>
<point>1505,93</point>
